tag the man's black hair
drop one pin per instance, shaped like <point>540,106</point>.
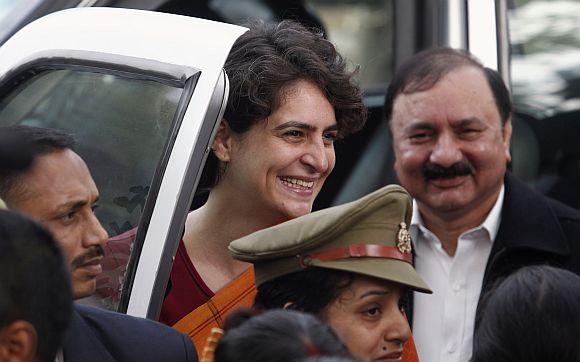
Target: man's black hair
<point>425,69</point>
<point>20,146</point>
<point>34,282</point>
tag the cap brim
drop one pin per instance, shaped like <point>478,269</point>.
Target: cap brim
<point>388,269</point>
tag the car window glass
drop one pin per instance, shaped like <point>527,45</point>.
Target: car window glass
<point>363,33</point>
<point>121,126</point>
<point>545,72</point>
<point>6,6</point>
<point>362,30</point>
<point>12,12</point>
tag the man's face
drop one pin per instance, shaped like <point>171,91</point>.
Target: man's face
<point>60,193</point>
<point>451,149</point>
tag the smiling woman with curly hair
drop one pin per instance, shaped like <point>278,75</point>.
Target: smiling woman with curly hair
<point>291,96</point>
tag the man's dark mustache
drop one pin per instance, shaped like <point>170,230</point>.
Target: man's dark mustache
<point>432,171</point>
<point>95,252</point>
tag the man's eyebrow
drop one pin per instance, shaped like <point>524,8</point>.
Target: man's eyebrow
<point>375,292</point>
<point>418,125</point>
<point>75,204</point>
<point>467,122</point>
<point>71,205</point>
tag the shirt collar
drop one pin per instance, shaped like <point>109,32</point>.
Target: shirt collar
<point>491,222</point>
<point>59,356</point>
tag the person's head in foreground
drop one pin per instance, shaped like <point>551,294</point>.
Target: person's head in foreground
<point>450,120</point>
<point>291,96</point>
<point>57,190</point>
<point>35,292</point>
<point>350,265</point>
<point>532,316</point>
<point>277,335</point>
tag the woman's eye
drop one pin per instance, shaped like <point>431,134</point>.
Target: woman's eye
<point>95,207</point>
<point>329,137</point>
<point>293,134</point>
<point>373,312</point>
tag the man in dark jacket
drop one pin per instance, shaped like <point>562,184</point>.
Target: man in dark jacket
<point>57,189</point>
<point>473,223</point>
<point>35,296</point>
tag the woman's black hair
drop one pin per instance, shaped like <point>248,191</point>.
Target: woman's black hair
<point>310,290</point>
<point>270,57</point>
<point>277,335</point>
<point>533,315</point>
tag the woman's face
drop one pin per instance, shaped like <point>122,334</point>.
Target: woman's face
<point>278,167</point>
<point>368,319</point>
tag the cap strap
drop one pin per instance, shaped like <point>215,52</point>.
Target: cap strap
<point>360,251</point>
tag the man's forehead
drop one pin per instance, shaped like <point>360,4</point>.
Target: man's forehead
<point>462,94</point>
<point>57,178</point>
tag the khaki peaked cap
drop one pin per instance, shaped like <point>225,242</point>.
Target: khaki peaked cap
<point>367,236</point>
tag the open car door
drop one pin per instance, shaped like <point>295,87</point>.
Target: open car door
<point>143,93</point>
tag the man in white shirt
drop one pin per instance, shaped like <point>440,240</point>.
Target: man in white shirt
<point>450,120</point>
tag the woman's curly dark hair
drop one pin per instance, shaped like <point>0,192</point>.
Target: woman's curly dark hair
<point>272,56</point>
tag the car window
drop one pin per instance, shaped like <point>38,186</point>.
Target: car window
<point>12,12</point>
<point>363,33</point>
<point>6,6</point>
<point>362,30</point>
<point>121,123</point>
<point>545,72</point>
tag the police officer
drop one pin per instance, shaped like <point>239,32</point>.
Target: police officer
<point>351,265</point>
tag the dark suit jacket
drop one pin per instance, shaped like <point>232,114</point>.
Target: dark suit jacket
<point>102,336</point>
<point>533,230</point>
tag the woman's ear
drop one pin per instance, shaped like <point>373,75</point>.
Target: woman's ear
<point>222,144</point>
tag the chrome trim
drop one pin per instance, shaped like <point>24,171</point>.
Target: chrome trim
<point>455,35</point>
<point>503,40</point>
<point>482,38</point>
<point>86,3</point>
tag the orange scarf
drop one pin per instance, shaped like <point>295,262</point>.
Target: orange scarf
<point>199,322</point>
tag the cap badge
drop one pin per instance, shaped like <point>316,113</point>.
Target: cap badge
<point>404,239</point>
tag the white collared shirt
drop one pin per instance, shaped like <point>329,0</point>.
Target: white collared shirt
<point>443,322</point>
<point>59,356</point>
